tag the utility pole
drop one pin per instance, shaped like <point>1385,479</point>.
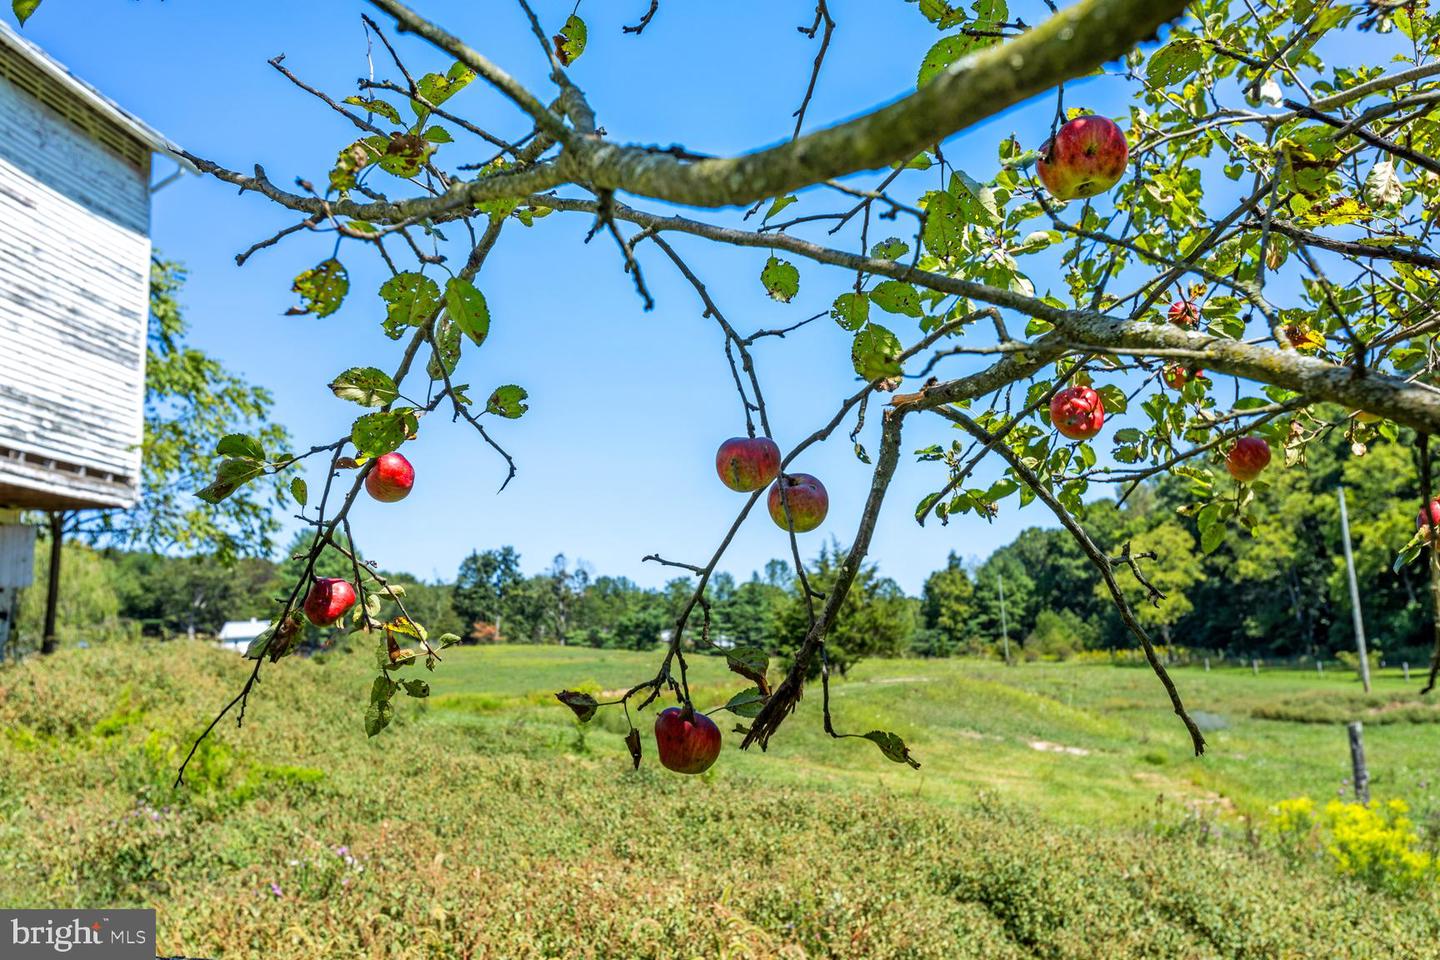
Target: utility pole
<point>1004,624</point>
<point>1354,595</point>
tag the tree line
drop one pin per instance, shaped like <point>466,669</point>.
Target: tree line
<point>1279,591</point>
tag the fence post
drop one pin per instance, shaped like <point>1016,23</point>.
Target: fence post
<point>1357,762</point>
<point>1406,666</point>
<point>1320,667</point>
<point>1255,666</point>
<point>1207,664</point>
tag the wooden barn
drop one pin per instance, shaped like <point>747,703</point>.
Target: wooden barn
<point>75,186</point>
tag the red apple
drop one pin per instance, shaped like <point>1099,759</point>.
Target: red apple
<point>1177,375</point>
<point>390,479</point>
<point>1184,313</point>
<point>1247,458</point>
<point>328,600</point>
<point>1086,156</point>
<point>1434,516</point>
<point>686,744</point>
<point>747,464</point>
<point>1077,412</point>
<point>807,499</point>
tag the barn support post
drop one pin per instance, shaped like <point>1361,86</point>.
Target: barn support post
<point>50,643</point>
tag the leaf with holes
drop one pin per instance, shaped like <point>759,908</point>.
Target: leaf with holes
<point>570,41</point>
<point>851,310</point>
<point>379,433</point>
<point>508,402</point>
<point>411,299</point>
<point>781,279</point>
<point>366,386</point>
<point>896,296</point>
<point>321,289</point>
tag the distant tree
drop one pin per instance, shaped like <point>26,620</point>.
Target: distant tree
<point>429,603</point>
<point>169,595</point>
<point>484,586</point>
<point>875,620</point>
<point>948,606</point>
<point>747,617</point>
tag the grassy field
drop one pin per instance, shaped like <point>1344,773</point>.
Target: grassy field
<point>1057,813</point>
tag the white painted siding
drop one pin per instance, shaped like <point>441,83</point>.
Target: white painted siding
<point>74,285</point>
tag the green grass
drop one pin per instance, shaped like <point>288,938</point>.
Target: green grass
<point>1058,812</point>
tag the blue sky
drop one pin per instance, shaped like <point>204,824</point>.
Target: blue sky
<point>627,408</point>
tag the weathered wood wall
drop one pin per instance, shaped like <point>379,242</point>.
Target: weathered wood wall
<point>74,283</point>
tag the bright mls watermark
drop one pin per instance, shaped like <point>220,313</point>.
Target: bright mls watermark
<point>77,934</point>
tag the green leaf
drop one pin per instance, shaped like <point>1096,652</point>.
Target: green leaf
<point>231,475</point>
<point>1176,62</point>
<point>438,89</point>
<point>23,9</point>
<point>321,289</point>
<point>751,663</point>
<point>945,52</point>
<point>377,107</point>
<point>507,401</point>
<point>570,41</point>
<point>240,445</point>
<point>875,353</point>
<point>299,491</point>
<point>851,310</point>
<point>893,747</point>
<point>746,703</point>
<point>781,279</point>
<point>416,688</point>
<point>378,717</point>
<point>468,309</point>
<point>366,386</point>
<point>402,154</point>
<point>780,203</point>
<point>1113,398</point>
<point>583,704</point>
<point>383,688</point>
<point>896,296</point>
<point>448,640</point>
<point>379,433</point>
<point>1211,537</point>
<point>891,248</point>
<point>411,299</point>
<point>944,234</point>
<point>437,135</point>
<point>349,162</point>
